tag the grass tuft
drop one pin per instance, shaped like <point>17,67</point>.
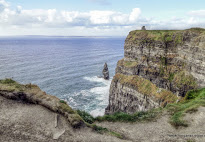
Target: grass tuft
<point>7,81</point>
<point>191,102</point>
<point>103,130</point>
<point>146,88</point>
<point>86,116</point>
<point>62,101</point>
<point>136,117</point>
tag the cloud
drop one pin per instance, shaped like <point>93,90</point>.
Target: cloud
<point>59,19</point>
<point>134,14</point>
<point>197,13</point>
<point>3,5</point>
<point>20,21</point>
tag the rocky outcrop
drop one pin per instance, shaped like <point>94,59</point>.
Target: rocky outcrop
<point>133,93</point>
<point>171,60</point>
<point>105,72</point>
<point>32,94</point>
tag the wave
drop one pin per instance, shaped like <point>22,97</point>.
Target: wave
<point>102,94</point>
<point>93,100</point>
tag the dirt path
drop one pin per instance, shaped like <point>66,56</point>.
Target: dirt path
<point>26,122</point>
<point>162,131</point>
<point>33,123</point>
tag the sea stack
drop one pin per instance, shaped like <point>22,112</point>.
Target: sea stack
<point>105,72</point>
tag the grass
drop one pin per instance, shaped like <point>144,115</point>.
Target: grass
<point>103,130</point>
<point>66,108</point>
<point>8,81</point>
<point>128,64</point>
<point>191,102</point>
<point>182,79</point>
<point>33,94</point>
<point>62,101</point>
<point>86,116</point>
<point>146,88</point>
<point>11,85</point>
<point>177,111</point>
<point>166,36</point>
<point>124,117</point>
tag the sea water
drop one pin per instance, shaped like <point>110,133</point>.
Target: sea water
<point>67,67</point>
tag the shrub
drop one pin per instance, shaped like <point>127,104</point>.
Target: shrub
<point>124,117</point>
<point>192,94</point>
<point>62,101</point>
<point>86,116</point>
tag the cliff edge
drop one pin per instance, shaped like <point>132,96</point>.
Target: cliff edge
<point>159,67</point>
<point>29,114</point>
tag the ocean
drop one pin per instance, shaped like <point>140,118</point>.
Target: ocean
<point>67,67</point>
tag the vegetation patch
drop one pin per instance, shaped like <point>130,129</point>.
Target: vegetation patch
<point>103,130</point>
<point>62,101</point>
<point>128,64</point>
<point>146,87</point>
<point>148,36</point>
<point>191,102</point>
<point>86,116</point>
<point>182,79</point>
<point>89,119</point>
<point>11,85</point>
<point>165,36</point>
<point>136,117</point>
<point>33,94</point>
<point>8,81</point>
<point>66,108</point>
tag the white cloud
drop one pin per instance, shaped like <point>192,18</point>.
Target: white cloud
<point>3,5</point>
<point>197,13</point>
<point>20,21</point>
<point>101,17</point>
<point>52,17</point>
<point>134,15</point>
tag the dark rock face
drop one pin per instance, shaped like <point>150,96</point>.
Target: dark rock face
<point>105,72</point>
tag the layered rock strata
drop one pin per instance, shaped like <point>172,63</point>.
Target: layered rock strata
<point>105,72</point>
<point>170,60</point>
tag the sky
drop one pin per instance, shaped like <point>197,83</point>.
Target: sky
<point>97,17</point>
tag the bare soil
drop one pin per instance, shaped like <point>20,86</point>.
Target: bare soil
<point>20,122</point>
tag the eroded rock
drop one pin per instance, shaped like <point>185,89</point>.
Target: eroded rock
<point>105,72</point>
<point>171,60</point>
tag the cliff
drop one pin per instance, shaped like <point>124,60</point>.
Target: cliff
<point>158,68</point>
<point>29,114</point>
<point>32,94</point>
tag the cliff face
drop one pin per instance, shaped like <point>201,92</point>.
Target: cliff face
<point>29,114</point>
<point>172,61</point>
